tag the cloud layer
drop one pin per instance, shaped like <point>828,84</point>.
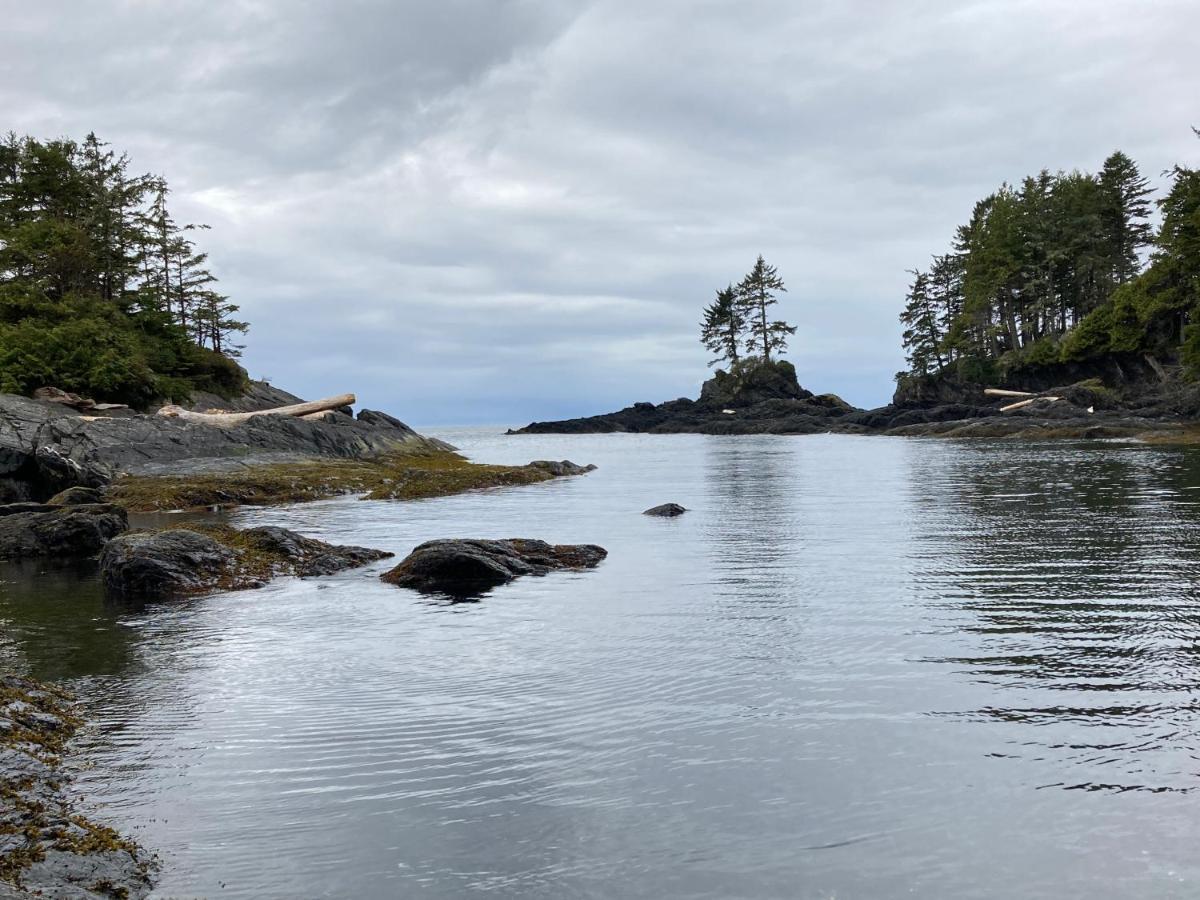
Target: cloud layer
<point>502,210</point>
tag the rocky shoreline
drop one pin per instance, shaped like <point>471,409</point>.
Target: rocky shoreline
<point>770,400</point>
<point>47,847</point>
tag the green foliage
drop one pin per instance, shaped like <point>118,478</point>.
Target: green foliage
<point>756,294</point>
<point>1052,272</point>
<point>722,327</point>
<point>101,293</point>
<point>736,324</point>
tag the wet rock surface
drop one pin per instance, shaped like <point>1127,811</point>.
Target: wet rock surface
<point>29,530</point>
<point>46,447</point>
<point>47,849</point>
<point>666,510</point>
<point>181,561</point>
<point>155,565</point>
<point>465,568</point>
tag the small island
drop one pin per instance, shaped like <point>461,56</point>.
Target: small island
<point>1059,311</point>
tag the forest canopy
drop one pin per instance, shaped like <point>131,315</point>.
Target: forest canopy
<point>1063,268</point>
<point>102,292</point>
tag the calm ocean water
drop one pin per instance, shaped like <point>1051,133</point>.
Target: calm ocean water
<point>859,668</point>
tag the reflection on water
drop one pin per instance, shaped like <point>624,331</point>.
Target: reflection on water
<point>859,667</point>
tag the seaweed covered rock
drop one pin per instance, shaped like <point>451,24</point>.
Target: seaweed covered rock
<point>181,561</point>
<point>47,849</point>
<point>151,565</point>
<point>468,567</point>
<point>305,556</point>
<point>30,529</point>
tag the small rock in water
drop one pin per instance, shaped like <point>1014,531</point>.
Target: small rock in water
<point>667,510</point>
<point>467,568</point>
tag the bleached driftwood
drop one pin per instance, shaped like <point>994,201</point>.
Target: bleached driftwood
<point>296,410</point>
<point>999,392</point>
<point>1021,404</point>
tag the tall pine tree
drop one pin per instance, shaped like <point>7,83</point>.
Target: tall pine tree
<point>756,294</point>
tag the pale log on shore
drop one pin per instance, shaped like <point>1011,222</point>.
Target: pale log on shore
<point>999,392</point>
<point>1023,403</point>
<point>296,410</point>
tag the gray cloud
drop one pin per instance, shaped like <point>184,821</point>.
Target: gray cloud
<point>471,210</point>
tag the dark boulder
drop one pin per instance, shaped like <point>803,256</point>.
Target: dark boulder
<point>177,562</point>
<point>152,565</point>
<point>467,568</point>
<point>29,530</point>
<point>773,381</point>
<point>667,510</point>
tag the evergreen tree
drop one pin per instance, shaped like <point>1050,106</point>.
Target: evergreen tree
<point>756,294</point>
<point>1125,214</point>
<point>721,330</point>
<point>922,329</point>
<point>100,289</point>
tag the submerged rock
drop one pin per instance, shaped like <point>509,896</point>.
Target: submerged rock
<point>30,529</point>
<point>307,556</point>
<point>468,567</point>
<point>181,561</point>
<point>667,510</point>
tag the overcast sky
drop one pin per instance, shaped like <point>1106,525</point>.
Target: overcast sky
<point>505,210</point>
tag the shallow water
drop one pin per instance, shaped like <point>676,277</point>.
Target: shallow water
<point>859,667</point>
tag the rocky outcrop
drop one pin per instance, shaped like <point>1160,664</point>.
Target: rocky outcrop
<point>47,849</point>
<point>763,400</point>
<point>1130,400</point>
<point>178,562</point>
<point>561,468</point>
<point>666,510</point>
<point>467,568</point>
<point>46,447</point>
<point>156,565</point>
<point>30,529</point>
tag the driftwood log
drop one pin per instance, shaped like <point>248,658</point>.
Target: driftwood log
<point>296,410</point>
<point>1000,392</point>
<point>1021,404</point>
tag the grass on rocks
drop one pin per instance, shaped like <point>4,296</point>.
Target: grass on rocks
<point>400,477</point>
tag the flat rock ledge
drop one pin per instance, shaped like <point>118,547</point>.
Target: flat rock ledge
<point>666,510</point>
<point>466,568</point>
<point>179,562</point>
<point>47,849</point>
<point>34,529</point>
